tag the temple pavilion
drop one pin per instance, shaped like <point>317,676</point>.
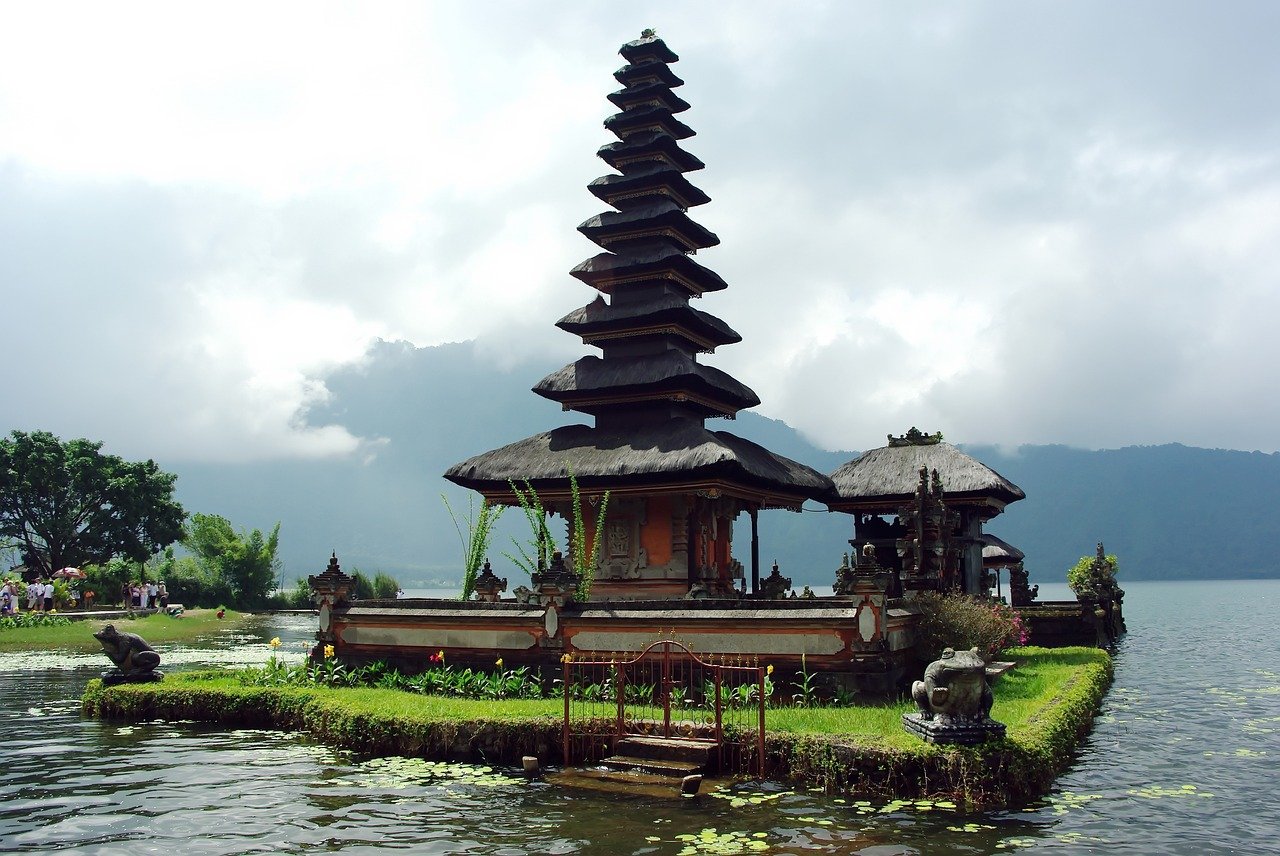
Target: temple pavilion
<point>938,497</point>
<point>676,486</point>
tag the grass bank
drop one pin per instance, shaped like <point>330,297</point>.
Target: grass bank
<point>78,635</point>
<point>1047,703</point>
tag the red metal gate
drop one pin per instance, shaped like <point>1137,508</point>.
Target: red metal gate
<point>666,690</point>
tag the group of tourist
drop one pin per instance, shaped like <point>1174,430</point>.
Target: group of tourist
<point>140,595</point>
<point>39,594</point>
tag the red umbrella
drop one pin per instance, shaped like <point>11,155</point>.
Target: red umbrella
<point>70,574</point>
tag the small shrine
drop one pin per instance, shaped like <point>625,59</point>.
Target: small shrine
<point>675,485</point>
<point>938,498</point>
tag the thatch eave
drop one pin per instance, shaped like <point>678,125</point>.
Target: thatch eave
<point>674,452</point>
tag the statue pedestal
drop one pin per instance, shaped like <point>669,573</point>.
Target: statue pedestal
<point>115,676</point>
<point>944,729</point>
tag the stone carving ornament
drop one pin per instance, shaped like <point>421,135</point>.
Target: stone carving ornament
<point>135,661</point>
<point>954,701</point>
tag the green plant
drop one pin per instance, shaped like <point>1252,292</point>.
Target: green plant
<point>1094,576</point>
<point>542,544</point>
<point>67,504</point>
<point>805,683</point>
<point>961,622</point>
<point>584,559</point>
<point>476,542</point>
<point>33,619</point>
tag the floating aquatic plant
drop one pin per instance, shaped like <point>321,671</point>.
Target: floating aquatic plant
<point>713,841</point>
<point>1015,842</point>
<point>398,773</point>
<point>1155,792</point>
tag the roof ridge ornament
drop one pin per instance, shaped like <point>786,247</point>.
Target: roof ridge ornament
<point>915,437</point>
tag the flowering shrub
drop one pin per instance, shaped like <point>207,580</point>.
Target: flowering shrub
<point>962,622</point>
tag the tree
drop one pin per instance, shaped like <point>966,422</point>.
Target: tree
<point>67,504</point>
<point>245,561</point>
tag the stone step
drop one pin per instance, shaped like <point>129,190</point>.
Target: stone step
<point>632,783</point>
<point>666,748</point>
<point>653,766</point>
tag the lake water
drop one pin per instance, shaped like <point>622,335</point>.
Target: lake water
<point>1181,761</point>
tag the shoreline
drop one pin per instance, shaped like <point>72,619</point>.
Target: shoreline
<point>999,773</point>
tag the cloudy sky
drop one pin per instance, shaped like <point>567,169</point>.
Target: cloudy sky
<point>1014,222</point>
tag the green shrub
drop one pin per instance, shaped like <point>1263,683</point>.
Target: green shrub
<point>199,589</point>
<point>1094,576</point>
<point>33,619</point>
<point>962,622</point>
<point>299,597</point>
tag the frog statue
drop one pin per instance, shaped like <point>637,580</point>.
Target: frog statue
<point>954,685</point>
<point>954,700</point>
<point>134,659</point>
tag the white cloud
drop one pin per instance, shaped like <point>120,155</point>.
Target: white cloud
<point>1041,224</point>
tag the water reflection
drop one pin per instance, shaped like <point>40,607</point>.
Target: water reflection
<point>1179,763</point>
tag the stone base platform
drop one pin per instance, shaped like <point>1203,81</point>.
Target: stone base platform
<point>115,676</point>
<point>946,730</point>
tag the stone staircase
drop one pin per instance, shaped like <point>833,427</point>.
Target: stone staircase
<point>662,756</point>
<point>654,766</point>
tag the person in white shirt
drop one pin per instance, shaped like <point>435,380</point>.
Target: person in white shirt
<point>33,596</point>
<point>48,595</point>
<point>144,593</point>
<point>153,594</point>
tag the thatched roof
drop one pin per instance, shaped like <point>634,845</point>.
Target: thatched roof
<point>674,451</point>
<point>666,309</point>
<point>646,93</point>
<point>996,551</point>
<point>637,185</point>
<point>669,370</point>
<point>613,226</point>
<point>603,271</point>
<point>646,117</point>
<point>891,474</point>
<point>647,71</point>
<point>645,147</point>
<point>648,48</point>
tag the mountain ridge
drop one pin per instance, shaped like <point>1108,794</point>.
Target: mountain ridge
<point>1168,511</point>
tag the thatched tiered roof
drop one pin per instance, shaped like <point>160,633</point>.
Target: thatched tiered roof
<point>647,390</point>
<point>887,477</point>
<point>997,552</point>
<point>673,452</point>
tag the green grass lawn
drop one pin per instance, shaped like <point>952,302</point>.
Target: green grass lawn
<point>78,635</point>
<point>1047,703</point>
<point>1020,696</point>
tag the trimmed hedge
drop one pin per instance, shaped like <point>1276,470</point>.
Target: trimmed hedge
<point>1040,743</point>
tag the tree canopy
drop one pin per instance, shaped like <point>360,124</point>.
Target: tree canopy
<point>68,504</point>
<point>245,561</point>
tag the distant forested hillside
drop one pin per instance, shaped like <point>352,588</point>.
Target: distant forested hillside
<point>1169,512</point>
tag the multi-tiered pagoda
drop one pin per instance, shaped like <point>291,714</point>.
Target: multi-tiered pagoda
<point>675,485</point>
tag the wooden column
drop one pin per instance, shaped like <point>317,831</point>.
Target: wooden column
<point>755,550</point>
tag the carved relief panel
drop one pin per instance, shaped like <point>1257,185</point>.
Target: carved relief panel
<point>621,554</point>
